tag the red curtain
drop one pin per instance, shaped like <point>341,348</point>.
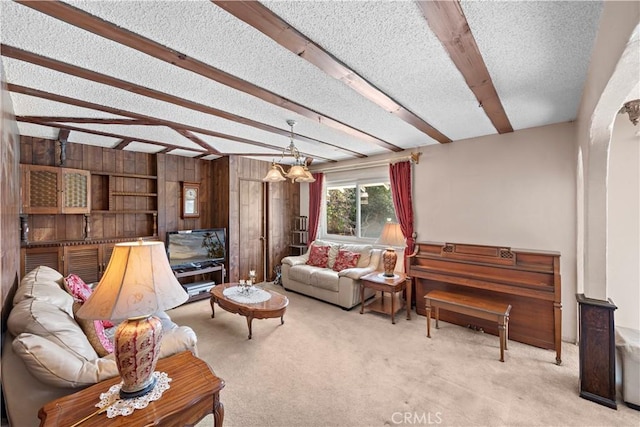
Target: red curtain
<point>400,176</point>
<point>315,200</point>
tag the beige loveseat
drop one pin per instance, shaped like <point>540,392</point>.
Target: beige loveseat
<point>336,287</point>
<point>47,355</point>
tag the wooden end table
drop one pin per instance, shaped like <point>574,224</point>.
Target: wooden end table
<point>193,394</point>
<point>274,307</point>
<point>378,282</point>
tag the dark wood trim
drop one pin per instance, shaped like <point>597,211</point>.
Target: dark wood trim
<point>449,24</point>
<point>22,55</point>
<point>95,25</point>
<point>270,24</point>
<point>102,121</point>
<point>35,120</point>
<point>85,104</point>
<point>197,140</point>
<point>122,144</point>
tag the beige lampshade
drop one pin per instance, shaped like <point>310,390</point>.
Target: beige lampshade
<point>274,174</point>
<point>391,235</point>
<point>296,172</point>
<point>138,282</point>
<point>307,177</point>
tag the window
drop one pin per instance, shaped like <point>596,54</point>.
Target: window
<point>358,209</point>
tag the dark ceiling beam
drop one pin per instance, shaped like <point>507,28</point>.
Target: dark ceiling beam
<point>95,25</point>
<point>85,120</point>
<point>85,104</point>
<point>63,67</point>
<point>447,21</point>
<point>270,24</point>
<point>197,140</point>
<point>35,120</point>
<point>122,144</point>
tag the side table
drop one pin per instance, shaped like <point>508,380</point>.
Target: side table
<point>193,394</point>
<point>378,282</point>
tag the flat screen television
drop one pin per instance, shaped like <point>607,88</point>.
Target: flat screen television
<point>196,248</point>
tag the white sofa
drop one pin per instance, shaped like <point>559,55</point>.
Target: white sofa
<point>47,355</point>
<point>341,288</point>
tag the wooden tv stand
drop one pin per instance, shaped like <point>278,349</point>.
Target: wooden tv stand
<point>200,289</point>
<point>528,280</point>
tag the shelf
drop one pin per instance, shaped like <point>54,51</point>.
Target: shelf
<point>128,211</point>
<point>133,193</point>
<point>125,175</point>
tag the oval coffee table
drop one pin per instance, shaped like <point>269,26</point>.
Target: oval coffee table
<point>272,308</point>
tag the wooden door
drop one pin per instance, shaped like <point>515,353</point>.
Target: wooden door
<point>252,229</point>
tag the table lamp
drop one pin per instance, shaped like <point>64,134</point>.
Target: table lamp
<point>391,236</point>
<point>137,283</point>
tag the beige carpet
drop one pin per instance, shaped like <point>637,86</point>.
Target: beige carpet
<point>330,367</point>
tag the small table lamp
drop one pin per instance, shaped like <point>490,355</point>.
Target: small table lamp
<point>138,282</point>
<point>392,236</point>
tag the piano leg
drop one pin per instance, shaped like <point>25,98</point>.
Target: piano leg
<point>428,319</point>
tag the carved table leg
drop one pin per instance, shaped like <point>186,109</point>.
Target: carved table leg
<point>393,309</point>
<point>218,411</point>
<point>249,320</point>
<point>282,319</point>
<point>213,308</point>
<point>437,317</point>
<point>361,298</point>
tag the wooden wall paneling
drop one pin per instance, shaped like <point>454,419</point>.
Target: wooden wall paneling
<point>128,162</point>
<point>74,155</point>
<point>26,150</point>
<point>171,168</point>
<point>10,155</point>
<point>161,203</point>
<point>74,227</point>
<point>204,168</point>
<point>233,229</point>
<point>43,152</point>
<point>172,205</point>
<point>108,160</point>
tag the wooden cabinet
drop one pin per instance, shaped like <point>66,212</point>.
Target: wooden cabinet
<point>30,258</point>
<point>88,261</point>
<point>54,190</point>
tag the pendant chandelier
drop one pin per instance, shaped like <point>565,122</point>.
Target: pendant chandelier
<point>298,172</point>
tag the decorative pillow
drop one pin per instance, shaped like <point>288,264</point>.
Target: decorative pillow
<point>94,330</point>
<point>346,259</point>
<point>81,292</point>
<point>76,287</point>
<point>318,256</point>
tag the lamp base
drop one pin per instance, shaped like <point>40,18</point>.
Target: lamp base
<point>389,258</point>
<point>142,392</point>
<point>137,347</point>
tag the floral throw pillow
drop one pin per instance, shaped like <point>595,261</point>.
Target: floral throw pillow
<point>319,256</point>
<point>81,292</point>
<point>346,259</point>
<point>94,330</point>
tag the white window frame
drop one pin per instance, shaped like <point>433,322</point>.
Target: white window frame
<point>369,176</point>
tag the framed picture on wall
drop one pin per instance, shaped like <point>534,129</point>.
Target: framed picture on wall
<point>190,200</point>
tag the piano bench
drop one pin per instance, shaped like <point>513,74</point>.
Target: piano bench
<point>470,306</point>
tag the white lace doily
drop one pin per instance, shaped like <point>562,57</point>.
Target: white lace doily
<point>116,406</point>
<point>254,295</point>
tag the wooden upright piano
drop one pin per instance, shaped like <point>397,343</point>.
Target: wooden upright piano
<point>529,280</point>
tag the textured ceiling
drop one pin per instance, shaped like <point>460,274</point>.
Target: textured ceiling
<point>536,54</point>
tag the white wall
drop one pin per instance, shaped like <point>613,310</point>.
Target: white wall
<point>623,233</point>
<point>516,190</point>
